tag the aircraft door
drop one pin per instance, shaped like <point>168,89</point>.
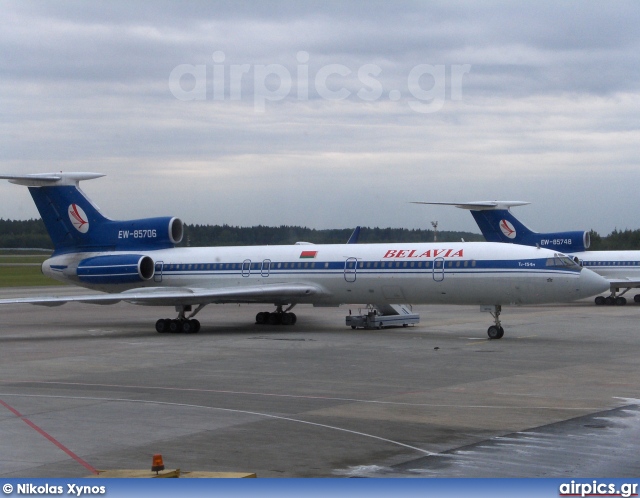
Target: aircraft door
<point>266,268</point>
<point>438,269</point>
<point>246,268</point>
<point>157,274</point>
<point>350,269</point>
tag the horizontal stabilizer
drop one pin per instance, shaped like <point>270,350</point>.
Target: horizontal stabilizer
<point>479,205</point>
<point>50,179</point>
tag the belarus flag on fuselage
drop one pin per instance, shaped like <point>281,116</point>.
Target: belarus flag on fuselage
<point>308,254</point>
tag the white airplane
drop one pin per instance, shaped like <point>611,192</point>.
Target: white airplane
<point>498,224</point>
<point>137,262</point>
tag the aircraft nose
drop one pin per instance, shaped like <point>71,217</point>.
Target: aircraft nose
<point>591,283</point>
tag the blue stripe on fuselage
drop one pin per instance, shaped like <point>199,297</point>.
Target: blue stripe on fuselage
<point>369,267</point>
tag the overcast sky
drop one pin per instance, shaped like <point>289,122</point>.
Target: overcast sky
<point>327,114</point>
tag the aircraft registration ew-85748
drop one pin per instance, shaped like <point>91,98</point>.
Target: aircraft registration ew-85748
<point>498,224</point>
<point>137,261</point>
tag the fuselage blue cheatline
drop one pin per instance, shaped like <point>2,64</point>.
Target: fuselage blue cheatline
<point>498,224</point>
<point>137,261</point>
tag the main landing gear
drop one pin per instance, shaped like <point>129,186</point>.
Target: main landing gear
<point>181,324</point>
<point>177,326</point>
<point>278,317</point>
<point>495,331</point>
<point>611,300</point>
<point>616,299</point>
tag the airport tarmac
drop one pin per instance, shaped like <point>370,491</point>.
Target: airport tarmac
<point>85,387</point>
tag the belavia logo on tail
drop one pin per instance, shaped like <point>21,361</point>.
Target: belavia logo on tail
<point>78,218</point>
<point>508,229</point>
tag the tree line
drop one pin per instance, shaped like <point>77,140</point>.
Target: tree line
<point>33,234</point>
<point>620,240</point>
<point>226,235</point>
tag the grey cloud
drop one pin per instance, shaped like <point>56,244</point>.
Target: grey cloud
<point>576,46</point>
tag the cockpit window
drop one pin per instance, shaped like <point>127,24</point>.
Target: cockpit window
<point>562,261</point>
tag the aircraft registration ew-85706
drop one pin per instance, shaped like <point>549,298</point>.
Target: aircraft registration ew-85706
<point>498,224</point>
<point>137,261</point>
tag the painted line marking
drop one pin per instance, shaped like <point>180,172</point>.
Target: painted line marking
<point>298,396</point>
<point>48,436</point>
<point>186,405</point>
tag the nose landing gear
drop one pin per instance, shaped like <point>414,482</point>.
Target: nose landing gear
<point>495,331</point>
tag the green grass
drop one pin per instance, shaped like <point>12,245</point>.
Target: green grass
<point>24,276</point>
<point>33,259</point>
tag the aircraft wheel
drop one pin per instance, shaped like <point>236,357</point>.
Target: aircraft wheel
<point>353,327</point>
<point>262,317</point>
<point>174,326</point>
<point>294,318</point>
<point>162,326</point>
<point>600,300</point>
<point>609,301</point>
<point>274,319</point>
<point>186,327</point>
<point>621,301</point>
<point>195,324</point>
<point>636,298</point>
<point>495,332</point>
<point>287,319</point>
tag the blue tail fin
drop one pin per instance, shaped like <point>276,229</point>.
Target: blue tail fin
<point>75,224</point>
<point>355,235</point>
<point>497,224</point>
<point>71,219</point>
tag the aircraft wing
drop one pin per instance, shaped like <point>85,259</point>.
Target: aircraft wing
<point>624,283</point>
<point>173,296</point>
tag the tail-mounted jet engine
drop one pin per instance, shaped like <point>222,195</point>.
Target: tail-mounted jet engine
<point>148,233</point>
<point>115,269</point>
